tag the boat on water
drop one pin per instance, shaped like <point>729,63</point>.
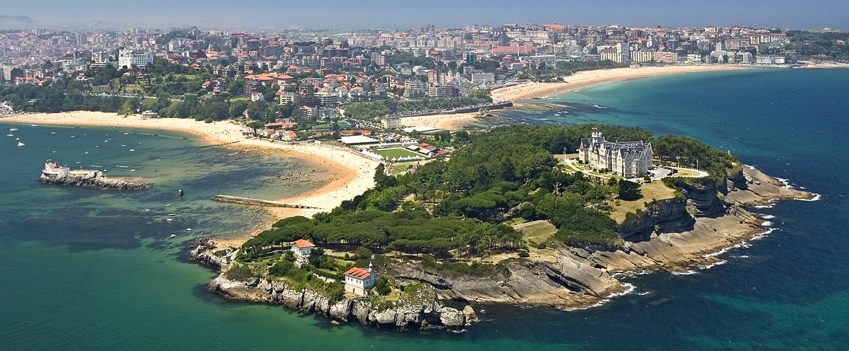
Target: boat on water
<point>10,135</point>
<point>20,144</point>
<point>13,129</point>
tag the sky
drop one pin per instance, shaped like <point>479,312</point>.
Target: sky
<point>360,14</point>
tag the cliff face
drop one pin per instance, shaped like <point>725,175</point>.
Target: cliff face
<point>563,279</point>
<point>664,216</point>
<point>95,180</point>
<point>421,310</point>
<point>703,197</point>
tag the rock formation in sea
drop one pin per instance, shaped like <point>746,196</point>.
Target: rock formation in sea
<point>95,180</point>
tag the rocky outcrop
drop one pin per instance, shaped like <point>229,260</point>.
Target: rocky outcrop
<point>206,252</point>
<point>703,197</point>
<point>417,310</point>
<point>95,180</point>
<point>564,280</point>
<point>664,216</point>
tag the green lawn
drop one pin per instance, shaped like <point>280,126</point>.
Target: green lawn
<point>393,153</point>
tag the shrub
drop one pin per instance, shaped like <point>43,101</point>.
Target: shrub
<point>382,286</point>
<point>239,272</point>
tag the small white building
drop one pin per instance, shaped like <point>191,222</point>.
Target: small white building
<point>302,249</point>
<point>359,281</point>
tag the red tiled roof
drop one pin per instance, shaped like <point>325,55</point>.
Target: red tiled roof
<point>359,273</point>
<point>303,244</point>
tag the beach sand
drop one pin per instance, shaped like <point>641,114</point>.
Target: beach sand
<point>583,79</point>
<point>351,173</point>
<point>449,121</point>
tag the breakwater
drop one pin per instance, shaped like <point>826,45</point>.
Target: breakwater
<point>256,202</point>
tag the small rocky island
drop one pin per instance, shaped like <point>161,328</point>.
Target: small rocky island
<point>55,174</point>
<point>506,219</point>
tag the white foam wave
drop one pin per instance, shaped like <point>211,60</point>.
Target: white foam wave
<point>709,266</point>
<point>767,224</point>
<point>767,216</point>
<point>816,197</point>
<point>687,272</point>
<point>629,288</point>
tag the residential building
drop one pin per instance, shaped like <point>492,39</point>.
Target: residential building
<point>359,281</point>
<point>302,249</point>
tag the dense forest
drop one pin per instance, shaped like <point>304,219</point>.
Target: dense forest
<point>458,207</point>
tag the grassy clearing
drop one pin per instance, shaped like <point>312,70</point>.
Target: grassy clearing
<point>536,231</point>
<point>651,191</point>
<point>393,153</point>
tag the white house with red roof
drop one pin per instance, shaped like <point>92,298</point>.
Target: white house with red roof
<point>359,281</point>
<point>302,249</point>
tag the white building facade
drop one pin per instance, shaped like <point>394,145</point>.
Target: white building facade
<point>129,58</point>
<point>628,159</point>
<point>359,281</point>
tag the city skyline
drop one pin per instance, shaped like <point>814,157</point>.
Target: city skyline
<point>257,14</point>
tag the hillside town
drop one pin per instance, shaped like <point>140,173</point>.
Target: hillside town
<point>300,84</point>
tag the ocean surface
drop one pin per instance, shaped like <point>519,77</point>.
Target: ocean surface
<point>89,270</point>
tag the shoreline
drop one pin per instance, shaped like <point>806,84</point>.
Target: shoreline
<point>351,174</point>
<point>586,79</point>
<point>521,92</point>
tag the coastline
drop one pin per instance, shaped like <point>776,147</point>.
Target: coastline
<point>352,174</point>
<point>580,80</point>
<point>585,79</point>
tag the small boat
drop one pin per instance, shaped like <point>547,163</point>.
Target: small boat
<point>20,144</point>
<point>132,150</point>
<point>10,135</point>
<point>13,129</point>
<point>173,236</point>
<point>52,132</point>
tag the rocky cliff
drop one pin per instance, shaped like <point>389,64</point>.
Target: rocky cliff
<point>664,216</point>
<point>563,279</point>
<point>416,310</point>
<point>95,180</point>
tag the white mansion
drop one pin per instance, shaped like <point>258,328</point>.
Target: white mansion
<point>628,159</point>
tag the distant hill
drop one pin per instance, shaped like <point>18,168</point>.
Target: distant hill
<point>15,22</point>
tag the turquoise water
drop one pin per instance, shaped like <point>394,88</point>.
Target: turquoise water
<point>89,270</point>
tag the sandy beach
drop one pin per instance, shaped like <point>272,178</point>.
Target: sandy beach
<point>352,174</point>
<point>583,79</point>
<point>448,121</point>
